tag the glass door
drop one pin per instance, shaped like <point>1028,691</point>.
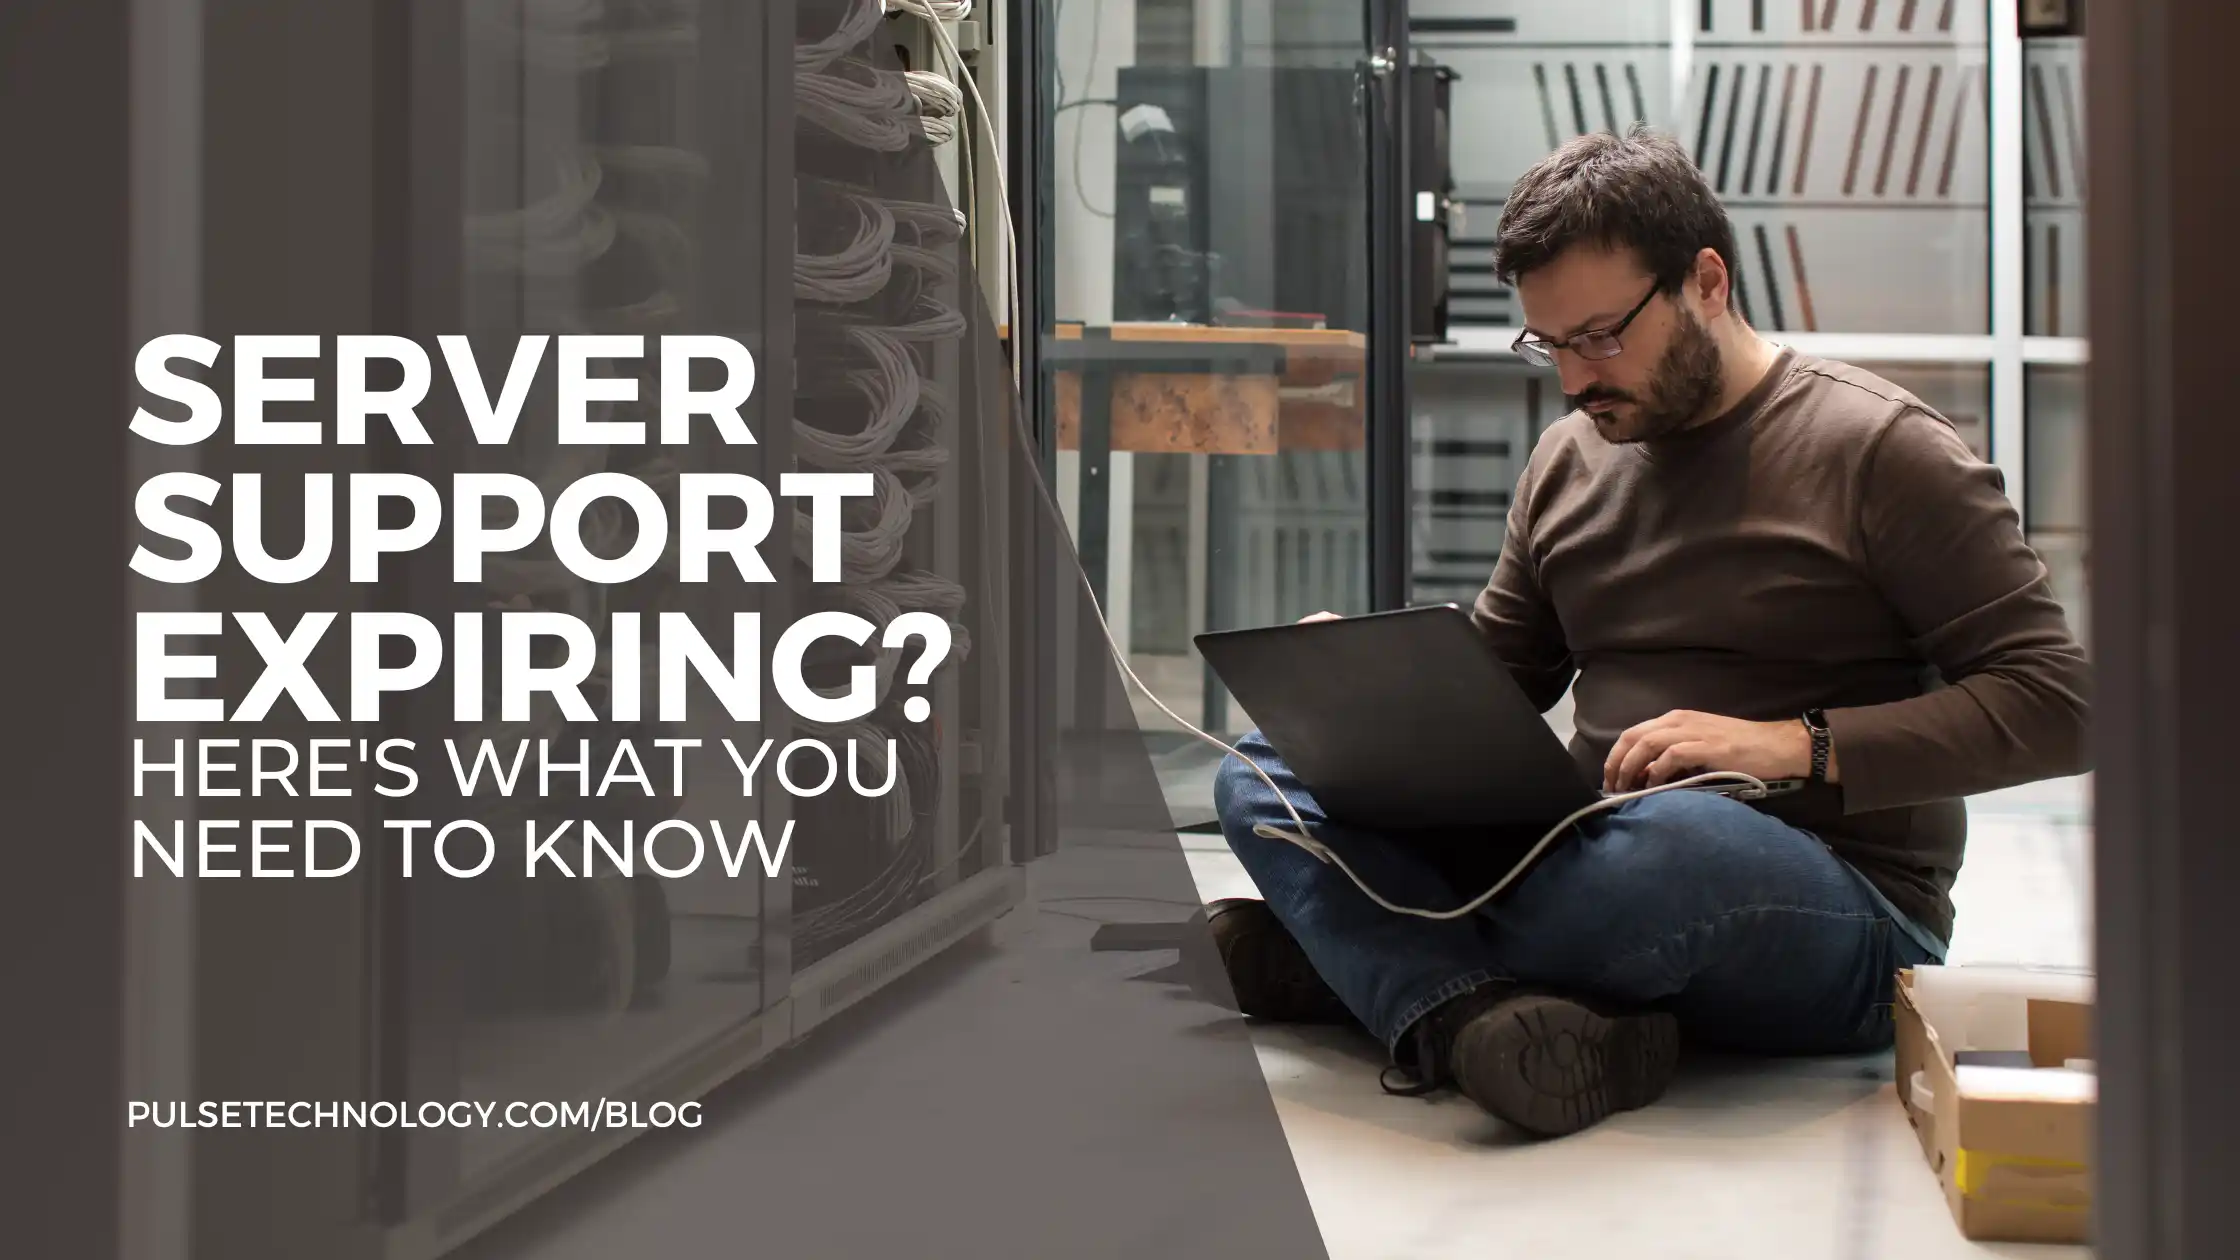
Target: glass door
<point>1210,325</point>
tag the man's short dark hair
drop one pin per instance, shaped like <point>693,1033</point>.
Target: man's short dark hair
<point>1639,191</point>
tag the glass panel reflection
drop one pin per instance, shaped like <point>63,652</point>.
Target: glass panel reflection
<point>2056,513</point>
<point>1849,140</point>
<point>1208,208</point>
<point>596,200</point>
<point>2053,176</point>
<point>1961,392</point>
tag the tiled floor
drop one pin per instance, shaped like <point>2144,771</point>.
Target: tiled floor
<point>1742,1159</point>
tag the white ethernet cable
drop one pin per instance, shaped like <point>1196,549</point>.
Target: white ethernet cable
<point>877,114</point>
<point>930,10</point>
<point>891,386</point>
<point>1299,837</point>
<point>860,270</point>
<point>932,320</point>
<point>897,397</point>
<point>555,235</point>
<point>872,553</point>
<point>939,103</point>
<point>942,224</point>
<point>886,599</point>
<point>905,869</point>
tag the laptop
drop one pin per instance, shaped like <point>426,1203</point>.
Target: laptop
<point>1404,720</point>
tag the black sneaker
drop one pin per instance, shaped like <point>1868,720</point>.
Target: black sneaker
<point>1549,1065</point>
<point>1264,969</point>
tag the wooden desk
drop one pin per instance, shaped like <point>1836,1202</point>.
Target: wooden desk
<point>1196,390</point>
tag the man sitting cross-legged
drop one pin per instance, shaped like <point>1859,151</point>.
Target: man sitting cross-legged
<point>1735,557</point>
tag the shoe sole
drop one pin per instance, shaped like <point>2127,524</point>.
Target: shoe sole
<point>1553,1067</point>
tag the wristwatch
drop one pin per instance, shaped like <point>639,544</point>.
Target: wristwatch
<point>1816,725</point>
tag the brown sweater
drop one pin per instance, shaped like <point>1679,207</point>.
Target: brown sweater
<point>1830,543</point>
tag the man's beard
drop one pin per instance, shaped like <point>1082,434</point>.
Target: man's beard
<point>1683,386</point>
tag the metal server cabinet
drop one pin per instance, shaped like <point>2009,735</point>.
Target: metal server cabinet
<point>653,170</point>
<point>1433,205</point>
<point>874,914</point>
<point>573,171</point>
<point>495,170</point>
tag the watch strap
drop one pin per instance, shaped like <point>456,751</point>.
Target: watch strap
<point>1816,725</point>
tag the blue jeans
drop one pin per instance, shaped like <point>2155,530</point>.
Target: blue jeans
<point>1752,933</point>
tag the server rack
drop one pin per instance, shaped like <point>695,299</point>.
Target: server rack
<point>690,138</point>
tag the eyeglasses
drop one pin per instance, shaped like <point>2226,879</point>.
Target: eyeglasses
<point>1594,343</point>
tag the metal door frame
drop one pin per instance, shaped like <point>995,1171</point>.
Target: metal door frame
<point>2163,453</point>
<point>1391,410</point>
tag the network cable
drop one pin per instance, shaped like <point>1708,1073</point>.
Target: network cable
<point>1301,837</point>
<point>599,204</point>
<point>877,115</point>
<point>856,248</point>
<point>939,103</point>
<point>556,235</point>
<point>931,10</point>
<point>857,271</point>
<point>891,386</point>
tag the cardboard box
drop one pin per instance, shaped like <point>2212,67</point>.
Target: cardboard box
<point>2012,1146</point>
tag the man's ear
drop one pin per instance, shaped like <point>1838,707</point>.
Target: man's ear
<point>1709,285</point>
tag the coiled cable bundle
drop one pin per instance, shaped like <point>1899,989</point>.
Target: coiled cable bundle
<point>931,320</point>
<point>939,103</point>
<point>873,548</point>
<point>930,458</point>
<point>597,244</point>
<point>558,234</point>
<point>932,10</point>
<point>856,271</point>
<point>848,243</point>
<point>819,929</point>
<point>890,390</point>
<point>903,419</point>
<point>875,111</point>
<point>934,224</point>
<point>868,275</point>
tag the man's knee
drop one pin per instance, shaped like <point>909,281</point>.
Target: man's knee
<point>1698,832</point>
<point>1653,852</point>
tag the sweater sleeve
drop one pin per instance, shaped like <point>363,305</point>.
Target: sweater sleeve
<point>1515,616</point>
<point>1944,545</point>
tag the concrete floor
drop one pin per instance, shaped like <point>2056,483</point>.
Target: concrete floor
<point>1742,1159</point>
<point>1800,1161</point>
